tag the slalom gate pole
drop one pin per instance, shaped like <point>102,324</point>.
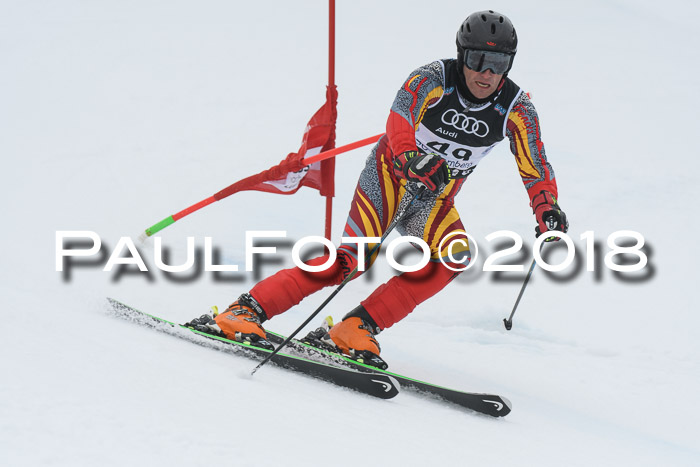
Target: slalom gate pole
<point>349,277</point>
<point>206,202</point>
<point>330,164</point>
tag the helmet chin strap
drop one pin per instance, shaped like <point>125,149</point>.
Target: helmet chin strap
<point>503,81</point>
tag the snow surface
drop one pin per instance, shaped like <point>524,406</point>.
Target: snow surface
<point>116,114</point>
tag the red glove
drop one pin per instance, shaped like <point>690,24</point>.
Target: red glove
<point>429,170</point>
<point>548,214</point>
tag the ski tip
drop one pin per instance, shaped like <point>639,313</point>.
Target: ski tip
<point>507,403</point>
<point>113,303</point>
<point>493,405</point>
<point>396,383</point>
<point>390,387</point>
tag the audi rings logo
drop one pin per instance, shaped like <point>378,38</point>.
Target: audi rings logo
<point>469,125</point>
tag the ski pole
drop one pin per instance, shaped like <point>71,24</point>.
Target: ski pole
<point>509,322</point>
<point>349,277</point>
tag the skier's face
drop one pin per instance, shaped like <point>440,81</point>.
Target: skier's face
<point>481,83</point>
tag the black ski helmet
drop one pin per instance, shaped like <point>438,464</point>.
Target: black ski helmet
<point>486,30</point>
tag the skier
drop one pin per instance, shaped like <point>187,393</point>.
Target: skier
<point>446,117</point>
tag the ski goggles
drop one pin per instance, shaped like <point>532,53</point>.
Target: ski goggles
<point>482,60</point>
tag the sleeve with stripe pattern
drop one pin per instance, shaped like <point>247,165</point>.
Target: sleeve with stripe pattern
<point>423,88</point>
<point>523,131</point>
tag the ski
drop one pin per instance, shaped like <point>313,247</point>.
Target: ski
<point>379,385</point>
<point>488,404</point>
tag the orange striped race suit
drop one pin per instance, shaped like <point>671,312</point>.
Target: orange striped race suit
<point>431,114</point>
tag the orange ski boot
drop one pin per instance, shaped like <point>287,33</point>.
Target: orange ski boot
<point>354,336</point>
<point>242,322</point>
